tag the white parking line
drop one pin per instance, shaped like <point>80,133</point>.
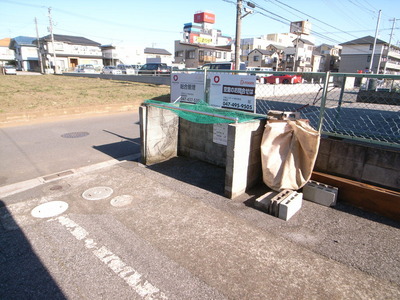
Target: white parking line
<point>134,279</point>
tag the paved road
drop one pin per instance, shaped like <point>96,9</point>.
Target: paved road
<point>31,151</point>
<point>165,232</point>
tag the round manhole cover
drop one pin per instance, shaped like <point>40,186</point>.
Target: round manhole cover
<point>74,135</point>
<point>97,193</point>
<point>49,209</point>
<point>121,201</point>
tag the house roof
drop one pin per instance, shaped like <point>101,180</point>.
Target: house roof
<point>304,41</point>
<point>24,40</point>
<point>263,52</point>
<point>75,40</point>
<point>156,51</point>
<point>5,42</point>
<point>277,47</point>
<point>364,40</point>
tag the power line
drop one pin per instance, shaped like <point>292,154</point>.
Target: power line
<point>313,32</point>
<point>313,18</point>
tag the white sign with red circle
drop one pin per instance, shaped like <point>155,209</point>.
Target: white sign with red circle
<point>233,91</point>
<point>187,88</point>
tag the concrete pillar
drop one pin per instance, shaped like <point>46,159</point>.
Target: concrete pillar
<point>243,157</point>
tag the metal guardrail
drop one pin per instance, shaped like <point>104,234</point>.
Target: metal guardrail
<point>361,107</point>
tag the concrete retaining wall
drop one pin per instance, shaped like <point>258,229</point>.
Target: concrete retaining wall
<point>158,80</point>
<point>163,137</point>
<point>368,164</point>
<point>196,141</point>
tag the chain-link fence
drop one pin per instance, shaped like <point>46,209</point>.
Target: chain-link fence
<point>363,107</point>
<point>353,106</point>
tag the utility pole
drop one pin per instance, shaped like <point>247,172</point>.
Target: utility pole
<point>373,48</point>
<point>390,43</point>
<point>52,41</point>
<point>239,18</point>
<point>296,55</point>
<point>238,32</point>
<point>38,47</point>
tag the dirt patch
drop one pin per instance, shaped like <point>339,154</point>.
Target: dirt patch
<point>37,97</point>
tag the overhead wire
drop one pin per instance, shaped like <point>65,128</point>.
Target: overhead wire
<point>315,25</point>
<point>313,31</point>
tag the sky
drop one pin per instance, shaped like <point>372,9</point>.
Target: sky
<point>158,23</point>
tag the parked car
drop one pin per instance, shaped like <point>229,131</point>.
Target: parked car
<point>126,69</point>
<point>154,69</point>
<point>8,70</point>
<point>223,66</point>
<point>257,71</point>
<point>285,79</point>
<point>85,69</point>
<point>111,70</point>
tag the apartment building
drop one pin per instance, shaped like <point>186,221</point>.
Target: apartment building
<point>196,55</point>
<point>278,40</point>
<point>330,57</point>
<point>201,43</point>
<point>357,55</point>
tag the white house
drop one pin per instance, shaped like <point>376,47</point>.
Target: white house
<point>70,51</point>
<point>26,53</point>
<point>118,54</point>
<point>7,55</point>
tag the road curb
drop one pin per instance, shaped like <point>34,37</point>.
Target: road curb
<point>22,186</point>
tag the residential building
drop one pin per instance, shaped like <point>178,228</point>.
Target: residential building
<point>70,51</point>
<point>299,58</point>
<point>26,53</point>
<point>264,59</point>
<point>201,43</point>
<point>279,40</point>
<point>196,55</point>
<point>357,54</point>
<point>114,55</point>
<point>247,45</point>
<point>158,55</point>
<point>7,55</point>
<point>285,39</point>
<point>330,57</point>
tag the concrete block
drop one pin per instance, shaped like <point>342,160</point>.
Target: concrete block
<point>263,202</point>
<point>275,201</point>
<point>320,193</point>
<point>282,204</point>
<point>290,205</point>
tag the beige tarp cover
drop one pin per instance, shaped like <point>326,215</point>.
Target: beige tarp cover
<point>288,153</point>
